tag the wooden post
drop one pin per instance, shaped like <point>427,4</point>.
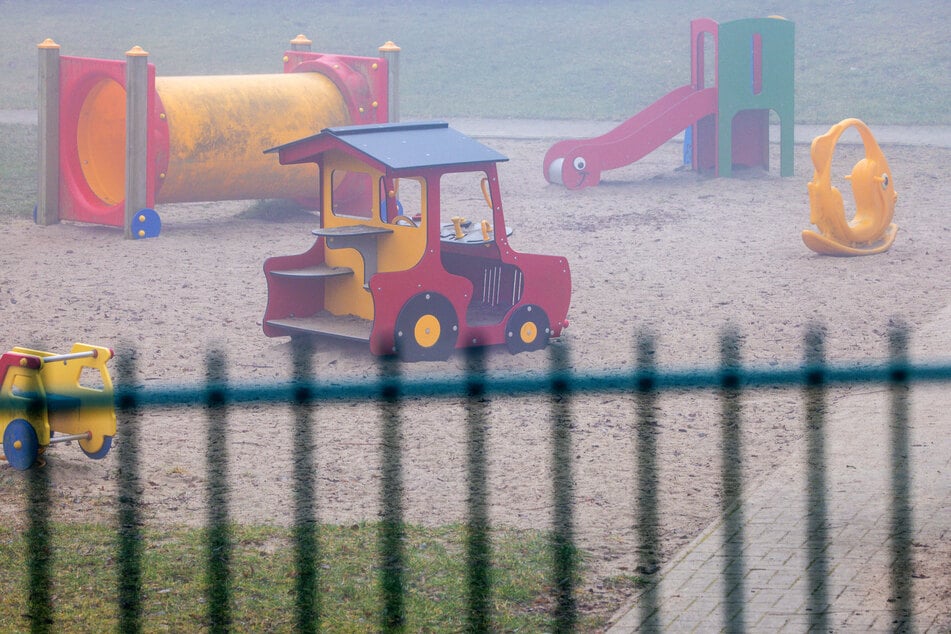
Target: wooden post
<point>300,43</point>
<point>391,52</point>
<point>136,134</point>
<point>47,202</point>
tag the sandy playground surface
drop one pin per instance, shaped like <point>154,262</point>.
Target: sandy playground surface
<point>654,247</point>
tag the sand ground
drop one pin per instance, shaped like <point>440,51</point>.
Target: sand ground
<point>653,248</point>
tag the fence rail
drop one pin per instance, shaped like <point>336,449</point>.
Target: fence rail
<point>729,379</point>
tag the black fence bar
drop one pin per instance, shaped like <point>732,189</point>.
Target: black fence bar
<point>648,542</point>
<point>128,416</point>
<point>564,554</point>
<point>392,556</point>
<point>38,533</point>
<point>478,541</point>
<point>219,545</point>
<point>588,383</point>
<point>731,459</point>
<point>306,529</point>
<point>901,517</point>
<point>40,552</point>
<point>814,392</point>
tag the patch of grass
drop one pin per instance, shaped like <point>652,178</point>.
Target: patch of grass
<point>263,579</point>
<point>17,169</point>
<point>554,60</point>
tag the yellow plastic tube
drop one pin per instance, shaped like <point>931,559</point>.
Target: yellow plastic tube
<point>219,127</point>
<point>211,135</point>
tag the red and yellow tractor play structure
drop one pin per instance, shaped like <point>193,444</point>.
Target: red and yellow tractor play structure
<point>407,257</point>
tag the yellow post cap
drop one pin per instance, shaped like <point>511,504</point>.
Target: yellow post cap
<point>389,47</point>
<point>47,43</point>
<point>136,51</point>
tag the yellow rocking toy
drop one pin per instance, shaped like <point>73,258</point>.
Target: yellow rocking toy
<point>871,230</point>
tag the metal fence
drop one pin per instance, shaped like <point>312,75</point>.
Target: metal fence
<point>729,379</point>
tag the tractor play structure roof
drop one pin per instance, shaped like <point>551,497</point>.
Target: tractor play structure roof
<point>397,146</point>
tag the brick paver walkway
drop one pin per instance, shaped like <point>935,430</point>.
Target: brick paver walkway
<point>776,593</point>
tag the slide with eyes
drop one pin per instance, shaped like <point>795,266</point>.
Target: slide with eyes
<point>578,163</point>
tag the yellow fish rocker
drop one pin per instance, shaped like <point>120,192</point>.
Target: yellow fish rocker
<point>871,230</point>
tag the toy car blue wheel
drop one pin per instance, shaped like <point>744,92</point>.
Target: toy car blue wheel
<point>20,444</point>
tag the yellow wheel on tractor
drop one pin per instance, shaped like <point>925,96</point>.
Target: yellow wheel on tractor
<point>426,328</point>
<point>427,331</point>
<point>527,329</point>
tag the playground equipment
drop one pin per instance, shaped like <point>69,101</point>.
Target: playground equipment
<point>42,394</point>
<point>387,269</point>
<point>871,230</point>
<point>115,140</point>
<point>728,122</point>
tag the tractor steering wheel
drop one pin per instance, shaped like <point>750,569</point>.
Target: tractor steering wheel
<point>403,220</point>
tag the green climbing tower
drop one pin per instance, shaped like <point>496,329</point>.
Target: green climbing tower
<point>755,74</point>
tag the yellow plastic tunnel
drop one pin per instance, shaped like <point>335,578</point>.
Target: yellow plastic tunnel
<point>219,127</point>
<point>210,135</point>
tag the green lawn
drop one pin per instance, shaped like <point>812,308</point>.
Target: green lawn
<point>606,60</point>
<point>263,580</point>
<point>17,169</point>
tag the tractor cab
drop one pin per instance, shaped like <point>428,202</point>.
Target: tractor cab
<point>412,251</point>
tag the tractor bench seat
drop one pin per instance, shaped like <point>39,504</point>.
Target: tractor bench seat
<point>324,323</point>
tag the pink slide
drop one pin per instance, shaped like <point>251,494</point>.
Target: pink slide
<point>578,163</point>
